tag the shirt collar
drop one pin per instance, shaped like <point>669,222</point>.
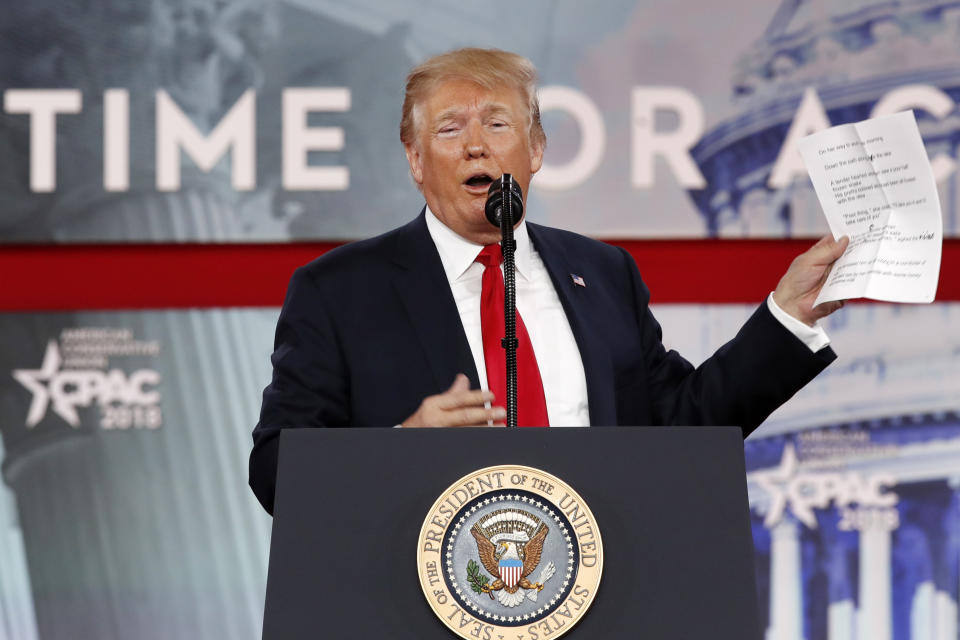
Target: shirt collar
<point>457,253</point>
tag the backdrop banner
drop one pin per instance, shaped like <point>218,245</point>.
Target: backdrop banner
<point>126,438</point>
<point>127,513</point>
<point>269,120</point>
<point>124,511</point>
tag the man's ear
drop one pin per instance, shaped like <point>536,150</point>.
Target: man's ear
<point>536,157</point>
<point>415,160</point>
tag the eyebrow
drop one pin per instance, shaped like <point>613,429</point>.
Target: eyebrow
<point>488,110</point>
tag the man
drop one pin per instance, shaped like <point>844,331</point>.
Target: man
<point>373,333</point>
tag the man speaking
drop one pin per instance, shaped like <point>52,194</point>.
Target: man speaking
<point>403,329</point>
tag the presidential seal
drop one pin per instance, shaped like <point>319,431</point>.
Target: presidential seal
<point>509,553</point>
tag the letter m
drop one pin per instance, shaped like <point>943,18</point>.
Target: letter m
<point>175,131</point>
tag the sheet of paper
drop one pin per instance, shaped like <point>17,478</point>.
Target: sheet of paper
<point>875,184</point>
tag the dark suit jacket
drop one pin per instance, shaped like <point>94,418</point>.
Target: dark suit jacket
<point>370,329</point>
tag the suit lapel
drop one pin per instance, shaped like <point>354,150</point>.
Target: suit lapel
<point>428,301</point>
<point>577,303</point>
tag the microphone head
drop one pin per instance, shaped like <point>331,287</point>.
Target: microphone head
<point>494,206</point>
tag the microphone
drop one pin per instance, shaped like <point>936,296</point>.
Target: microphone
<point>503,209</point>
<point>494,206</point>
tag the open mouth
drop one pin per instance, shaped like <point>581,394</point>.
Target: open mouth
<point>479,181</point>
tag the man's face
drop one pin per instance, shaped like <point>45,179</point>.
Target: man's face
<point>468,136</point>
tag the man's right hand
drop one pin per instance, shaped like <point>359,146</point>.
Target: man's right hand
<point>458,406</point>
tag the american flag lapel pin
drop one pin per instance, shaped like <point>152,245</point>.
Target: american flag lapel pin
<point>578,280</point>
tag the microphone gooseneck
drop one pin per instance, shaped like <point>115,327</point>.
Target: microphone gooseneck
<point>503,212</point>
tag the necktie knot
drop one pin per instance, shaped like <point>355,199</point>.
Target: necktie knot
<point>490,256</point>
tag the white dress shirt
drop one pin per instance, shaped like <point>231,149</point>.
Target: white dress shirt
<point>558,357</point>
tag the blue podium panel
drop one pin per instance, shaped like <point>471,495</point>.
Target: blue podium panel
<point>670,504</point>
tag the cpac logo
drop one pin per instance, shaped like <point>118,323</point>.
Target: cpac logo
<point>67,390</point>
<point>806,491</point>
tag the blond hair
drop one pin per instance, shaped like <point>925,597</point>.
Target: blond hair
<point>488,68</point>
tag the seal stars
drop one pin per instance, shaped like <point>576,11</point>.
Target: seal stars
<point>509,552</point>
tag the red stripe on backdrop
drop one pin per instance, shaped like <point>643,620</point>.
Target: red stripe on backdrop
<point>127,276</point>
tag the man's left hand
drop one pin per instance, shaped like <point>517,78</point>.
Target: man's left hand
<point>800,285</point>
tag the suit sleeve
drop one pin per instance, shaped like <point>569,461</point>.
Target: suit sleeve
<point>741,384</point>
<point>309,387</point>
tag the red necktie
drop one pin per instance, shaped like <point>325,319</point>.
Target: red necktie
<point>531,404</point>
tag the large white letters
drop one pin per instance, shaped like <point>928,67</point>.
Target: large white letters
<point>593,137</point>
<point>930,99</point>
<point>299,139</point>
<point>176,131</point>
<point>235,134</point>
<point>674,146</point>
<point>116,140</point>
<point>43,105</point>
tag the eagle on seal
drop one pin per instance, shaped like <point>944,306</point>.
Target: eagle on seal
<point>511,559</point>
